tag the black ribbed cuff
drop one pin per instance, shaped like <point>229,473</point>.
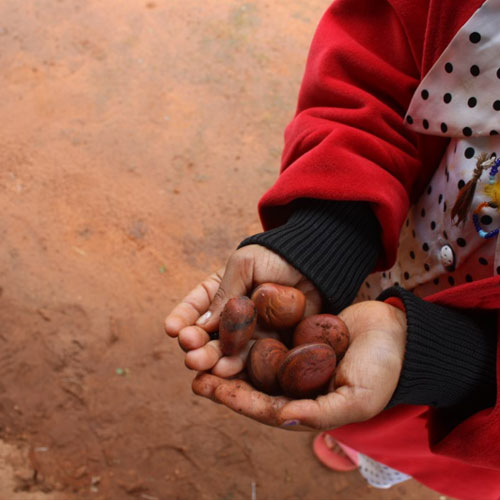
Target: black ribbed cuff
<point>450,357</point>
<point>333,243</point>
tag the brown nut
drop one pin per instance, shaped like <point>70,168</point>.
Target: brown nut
<point>263,363</point>
<point>279,306</point>
<point>237,323</point>
<point>306,370</point>
<point>323,328</point>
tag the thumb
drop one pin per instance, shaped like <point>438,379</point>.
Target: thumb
<point>237,281</point>
<point>333,410</point>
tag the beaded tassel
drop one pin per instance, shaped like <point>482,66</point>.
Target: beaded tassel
<point>466,194</point>
<point>495,164</point>
<point>494,171</point>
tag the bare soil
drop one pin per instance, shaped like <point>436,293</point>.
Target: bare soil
<point>136,140</point>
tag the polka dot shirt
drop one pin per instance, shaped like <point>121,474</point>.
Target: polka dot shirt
<point>458,98</point>
<point>379,475</point>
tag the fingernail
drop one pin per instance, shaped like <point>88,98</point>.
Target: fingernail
<point>203,319</point>
<point>290,423</point>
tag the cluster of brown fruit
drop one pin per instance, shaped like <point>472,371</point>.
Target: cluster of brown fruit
<point>317,341</point>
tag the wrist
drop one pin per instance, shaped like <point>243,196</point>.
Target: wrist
<point>335,244</point>
<point>450,356</point>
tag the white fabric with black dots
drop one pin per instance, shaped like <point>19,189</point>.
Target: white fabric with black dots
<point>434,253</point>
<point>456,97</point>
<point>379,475</point>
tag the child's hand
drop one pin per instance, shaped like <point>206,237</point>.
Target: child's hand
<point>199,312</point>
<point>364,382</point>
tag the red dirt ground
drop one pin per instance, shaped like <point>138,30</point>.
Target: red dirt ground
<point>137,138</point>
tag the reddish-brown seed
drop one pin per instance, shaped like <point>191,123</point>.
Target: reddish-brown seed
<point>237,323</point>
<point>323,328</point>
<point>279,306</point>
<point>263,363</point>
<point>306,370</point>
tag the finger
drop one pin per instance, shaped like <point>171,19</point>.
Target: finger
<point>240,397</point>
<point>193,305</point>
<point>236,281</point>
<point>205,357</point>
<point>228,366</point>
<point>313,297</point>
<point>192,337</point>
<point>204,385</point>
<point>342,407</point>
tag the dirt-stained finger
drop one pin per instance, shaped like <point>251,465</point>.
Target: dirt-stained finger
<point>192,306</point>
<point>240,397</point>
<point>204,385</point>
<point>229,366</point>
<point>205,357</point>
<point>342,407</point>
<point>193,337</point>
<point>235,281</point>
<point>245,400</point>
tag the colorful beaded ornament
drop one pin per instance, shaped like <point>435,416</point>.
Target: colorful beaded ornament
<point>475,215</point>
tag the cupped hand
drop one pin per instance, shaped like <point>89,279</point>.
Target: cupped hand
<point>364,382</point>
<point>197,315</point>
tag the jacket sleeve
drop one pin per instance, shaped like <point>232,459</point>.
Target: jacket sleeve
<point>472,436</point>
<point>333,243</point>
<point>450,357</point>
<point>347,140</point>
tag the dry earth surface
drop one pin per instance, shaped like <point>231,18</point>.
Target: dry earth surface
<point>137,138</point>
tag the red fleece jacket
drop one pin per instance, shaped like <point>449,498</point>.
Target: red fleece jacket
<point>347,141</point>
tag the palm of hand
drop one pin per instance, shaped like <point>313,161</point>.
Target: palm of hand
<point>247,268</point>
<point>368,375</point>
<point>365,379</point>
<point>364,382</point>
